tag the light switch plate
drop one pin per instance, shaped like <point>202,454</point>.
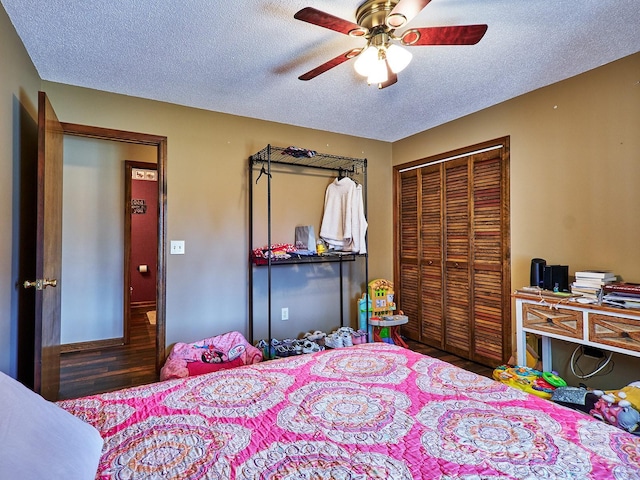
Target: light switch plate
<point>177,247</point>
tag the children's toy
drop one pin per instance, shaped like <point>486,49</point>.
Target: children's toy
<point>553,379</point>
<point>626,395</point>
<point>208,355</point>
<point>528,379</point>
<point>364,308</point>
<point>619,407</point>
<point>383,313</point>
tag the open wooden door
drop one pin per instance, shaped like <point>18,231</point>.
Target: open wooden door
<point>48,252</point>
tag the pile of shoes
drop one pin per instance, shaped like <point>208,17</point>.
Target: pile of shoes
<point>315,337</point>
<point>311,342</point>
<point>287,347</point>
<point>345,337</point>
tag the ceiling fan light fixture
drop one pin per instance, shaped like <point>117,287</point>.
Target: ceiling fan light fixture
<point>379,74</point>
<point>366,61</point>
<point>398,58</point>
<point>377,22</point>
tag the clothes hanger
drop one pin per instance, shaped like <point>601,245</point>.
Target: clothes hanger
<point>263,171</point>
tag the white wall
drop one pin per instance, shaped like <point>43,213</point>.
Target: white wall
<point>93,238</point>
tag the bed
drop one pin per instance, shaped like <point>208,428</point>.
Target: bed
<point>374,411</point>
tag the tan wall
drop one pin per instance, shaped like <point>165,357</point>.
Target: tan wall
<point>19,83</point>
<point>574,178</point>
<point>575,173</point>
<point>207,207</point>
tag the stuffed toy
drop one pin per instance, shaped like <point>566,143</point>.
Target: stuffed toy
<point>626,396</point>
<point>619,407</point>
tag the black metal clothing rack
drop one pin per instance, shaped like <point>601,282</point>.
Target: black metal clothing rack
<point>272,155</point>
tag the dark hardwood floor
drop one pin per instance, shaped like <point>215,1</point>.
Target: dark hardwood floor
<point>99,371</point>
<point>450,358</point>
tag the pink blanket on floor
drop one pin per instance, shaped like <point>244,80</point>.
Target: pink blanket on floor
<point>210,354</point>
<point>371,411</point>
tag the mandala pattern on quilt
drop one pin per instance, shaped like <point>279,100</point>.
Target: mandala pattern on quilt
<point>362,366</point>
<point>178,446</point>
<point>475,476</point>
<point>143,391</point>
<point>614,445</point>
<point>381,346</point>
<point>443,379</point>
<point>512,440</point>
<point>320,461</point>
<point>229,395</point>
<point>289,363</point>
<point>102,415</point>
<point>348,412</point>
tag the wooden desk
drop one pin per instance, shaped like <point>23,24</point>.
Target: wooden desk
<point>607,328</point>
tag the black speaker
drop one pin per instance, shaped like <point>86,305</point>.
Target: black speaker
<point>537,272</point>
<point>556,278</point>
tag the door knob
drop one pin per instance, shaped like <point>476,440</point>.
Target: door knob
<point>41,284</point>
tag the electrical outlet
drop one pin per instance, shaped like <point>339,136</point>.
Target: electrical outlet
<point>177,247</point>
<point>285,313</point>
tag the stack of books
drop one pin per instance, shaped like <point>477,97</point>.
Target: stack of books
<point>589,283</point>
<point>621,294</point>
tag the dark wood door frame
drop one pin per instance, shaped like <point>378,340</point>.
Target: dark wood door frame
<point>160,142</point>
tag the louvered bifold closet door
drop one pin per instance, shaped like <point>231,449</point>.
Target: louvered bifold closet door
<point>489,253</point>
<point>452,248</point>
<point>432,327</point>
<point>456,258</point>
<point>408,240</point>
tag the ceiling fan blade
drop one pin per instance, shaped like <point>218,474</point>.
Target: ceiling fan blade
<point>454,35</point>
<point>334,62</point>
<point>326,20</point>
<point>404,12</point>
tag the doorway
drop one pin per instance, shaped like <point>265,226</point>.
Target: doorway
<point>39,332</point>
<point>160,144</point>
<point>140,242</point>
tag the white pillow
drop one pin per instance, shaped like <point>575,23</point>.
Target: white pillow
<point>40,440</point>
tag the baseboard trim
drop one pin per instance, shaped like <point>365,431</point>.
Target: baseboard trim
<point>149,304</point>
<point>92,345</point>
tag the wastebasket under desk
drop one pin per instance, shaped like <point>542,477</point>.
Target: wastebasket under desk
<point>375,324</point>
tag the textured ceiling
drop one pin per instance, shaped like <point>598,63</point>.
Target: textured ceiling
<point>243,57</point>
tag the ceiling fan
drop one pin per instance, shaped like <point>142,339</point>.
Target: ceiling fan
<point>377,20</point>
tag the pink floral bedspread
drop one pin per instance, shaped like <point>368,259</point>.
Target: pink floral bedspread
<point>372,411</point>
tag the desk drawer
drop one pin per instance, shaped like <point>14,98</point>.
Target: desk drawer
<point>559,321</point>
<point>614,331</point>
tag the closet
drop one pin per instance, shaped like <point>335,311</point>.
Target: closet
<point>452,251</point>
<point>263,166</point>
